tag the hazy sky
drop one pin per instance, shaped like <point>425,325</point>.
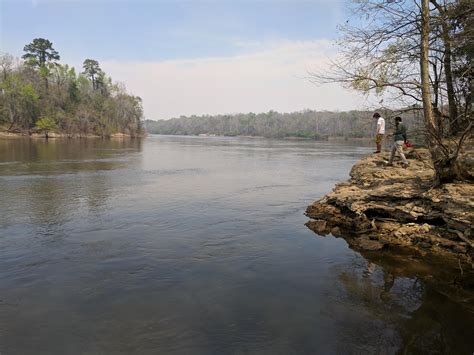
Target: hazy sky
<point>195,56</point>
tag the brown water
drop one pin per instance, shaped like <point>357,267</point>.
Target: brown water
<point>182,245</point>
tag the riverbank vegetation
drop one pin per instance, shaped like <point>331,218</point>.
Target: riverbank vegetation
<point>419,54</point>
<point>304,124</point>
<point>39,94</point>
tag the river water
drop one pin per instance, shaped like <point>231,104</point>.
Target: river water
<point>187,245</point>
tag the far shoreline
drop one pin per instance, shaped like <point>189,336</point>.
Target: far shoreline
<point>288,138</point>
<point>54,135</point>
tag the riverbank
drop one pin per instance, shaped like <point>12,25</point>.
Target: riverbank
<point>389,211</point>
<point>54,135</point>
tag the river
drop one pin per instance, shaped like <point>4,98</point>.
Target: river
<point>196,245</point>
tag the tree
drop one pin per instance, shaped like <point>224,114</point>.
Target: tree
<point>39,52</point>
<point>62,75</point>
<point>46,124</point>
<point>6,64</point>
<point>446,28</point>
<point>398,48</point>
<point>424,66</point>
<point>92,71</point>
<point>19,101</point>
<point>73,91</point>
<point>462,20</point>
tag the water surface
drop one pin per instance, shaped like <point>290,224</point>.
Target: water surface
<point>186,245</point>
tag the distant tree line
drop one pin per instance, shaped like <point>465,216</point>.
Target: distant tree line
<point>40,94</point>
<point>304,124</point>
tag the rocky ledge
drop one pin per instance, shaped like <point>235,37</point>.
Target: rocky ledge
<point>391,208</point>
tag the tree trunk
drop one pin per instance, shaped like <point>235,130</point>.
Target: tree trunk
<point>454,125</point>
<point>453,111</point>
<point>445,163</point>
<point>448,169</point>
<point>430,123</point>
<point>12,116</point>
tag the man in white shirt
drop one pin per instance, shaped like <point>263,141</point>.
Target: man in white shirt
<point>379,132</point>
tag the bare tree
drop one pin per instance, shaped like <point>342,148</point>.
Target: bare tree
<point>403,49</point>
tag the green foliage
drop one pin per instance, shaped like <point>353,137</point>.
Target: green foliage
<point>39,52</point>
<point>95,74</point>
<point>46,124</point>
<point>86,104</point>
<point>44,71</point>
<point>73,92</point>
<point>29,93</point>
<point>91,67</point>
<point>18,100</point>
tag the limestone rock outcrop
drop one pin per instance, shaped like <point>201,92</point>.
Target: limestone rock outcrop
<point>381,207</point>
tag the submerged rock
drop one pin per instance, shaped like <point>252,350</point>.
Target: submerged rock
<point>370,244</point>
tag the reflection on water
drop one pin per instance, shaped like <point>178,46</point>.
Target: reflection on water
<point>44,181</point>
<point>426,320</point>
<point>196,245</point>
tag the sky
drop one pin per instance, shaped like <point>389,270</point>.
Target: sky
<point>198,57</point>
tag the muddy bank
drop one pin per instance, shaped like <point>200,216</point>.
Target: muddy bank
<point>390,212</point>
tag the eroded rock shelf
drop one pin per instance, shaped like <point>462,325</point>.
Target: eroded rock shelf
<point>383,209</point>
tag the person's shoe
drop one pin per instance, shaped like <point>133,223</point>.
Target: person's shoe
<point>404,165</point>
<point>389,164</point>
<point>377,151</point>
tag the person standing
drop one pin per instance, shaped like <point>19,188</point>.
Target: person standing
<point>399,138</point>
<point>379,132</point>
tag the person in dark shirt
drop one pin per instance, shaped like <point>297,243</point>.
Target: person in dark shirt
<point>399,138</point>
